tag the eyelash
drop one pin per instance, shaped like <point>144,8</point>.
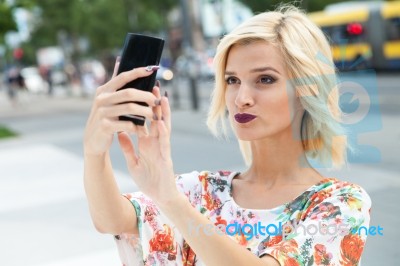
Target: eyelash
<point>228,80</point>
<point>272,80</point>
<point>234,80</point>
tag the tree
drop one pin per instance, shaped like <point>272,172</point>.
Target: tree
<point>102,23</point>
<point>7,22</point>
<point>258,6</point>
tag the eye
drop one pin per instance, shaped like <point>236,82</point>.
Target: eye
<point>232,80</point>
<point>267,80</point>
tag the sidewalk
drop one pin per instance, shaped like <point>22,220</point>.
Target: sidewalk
<point>43,209</point>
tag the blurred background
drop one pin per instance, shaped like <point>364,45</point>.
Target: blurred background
<point>55,53</point>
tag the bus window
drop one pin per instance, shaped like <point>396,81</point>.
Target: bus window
<point>393,29</point>
<point>339,34</point>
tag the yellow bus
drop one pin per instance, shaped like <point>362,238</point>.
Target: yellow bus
<point>362,34</point>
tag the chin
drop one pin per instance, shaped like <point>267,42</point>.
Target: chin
<point>250,133</point>
<point>247,136</point>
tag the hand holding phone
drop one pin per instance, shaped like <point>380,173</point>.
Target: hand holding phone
<point>140,51</point>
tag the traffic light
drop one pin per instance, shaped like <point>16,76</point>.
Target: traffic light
<point>354,29</point>
<point>18,53</point>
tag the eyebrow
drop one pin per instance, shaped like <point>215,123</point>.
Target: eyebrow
<point>255,70</point>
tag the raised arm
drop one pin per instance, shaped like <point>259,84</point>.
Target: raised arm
<point>110,211</point>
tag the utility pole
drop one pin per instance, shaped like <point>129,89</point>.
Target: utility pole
<point>188,50</point>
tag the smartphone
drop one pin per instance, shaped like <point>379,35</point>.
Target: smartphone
<point>140,51</point>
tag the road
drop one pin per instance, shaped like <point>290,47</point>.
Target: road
<point>44,218</point>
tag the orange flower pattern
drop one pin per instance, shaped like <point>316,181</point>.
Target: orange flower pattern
<point>319,227</point>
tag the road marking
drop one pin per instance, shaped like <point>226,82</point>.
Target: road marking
<point>38,174</point>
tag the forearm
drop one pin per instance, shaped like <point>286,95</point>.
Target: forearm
<point>212,247</point>
<point>110,212</point>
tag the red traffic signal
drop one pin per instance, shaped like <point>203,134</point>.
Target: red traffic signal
<point>354,29</point>
<point>18,53</point>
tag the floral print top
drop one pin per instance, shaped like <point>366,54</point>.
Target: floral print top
<point>319,227</point>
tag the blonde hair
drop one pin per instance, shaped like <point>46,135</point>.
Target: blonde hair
<point>309,63</point>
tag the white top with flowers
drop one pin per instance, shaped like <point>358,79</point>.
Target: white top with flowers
<point>324,225</point>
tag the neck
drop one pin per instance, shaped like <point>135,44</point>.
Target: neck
<point>279,160</point>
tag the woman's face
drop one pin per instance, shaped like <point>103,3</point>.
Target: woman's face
<point>259,101</point>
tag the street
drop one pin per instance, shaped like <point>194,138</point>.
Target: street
<point>44,217</point>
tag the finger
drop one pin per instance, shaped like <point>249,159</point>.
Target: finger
<point>166,112</point>
<point>164,140</point>
<point>128,108</point>
<point>127,148</point>
<point>156,113</point>
<point>157,94</point>
<point>125,77</point>
<point>142,131</point>
<point>153,131</point>
<point>128,95</point>
<point>116,66</point>
<point>111,126</point>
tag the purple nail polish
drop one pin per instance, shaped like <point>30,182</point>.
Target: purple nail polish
<point>152,68</point>
<point>158,84</point>
<point>166,94</point>
<point>157,102</point>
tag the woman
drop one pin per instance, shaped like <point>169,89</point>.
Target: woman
<point>276,79</point>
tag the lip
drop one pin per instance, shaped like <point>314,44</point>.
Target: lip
<point>244,118</point>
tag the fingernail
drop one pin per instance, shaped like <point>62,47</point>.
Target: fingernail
<point>157,102</point>
<point>118,59</point>
<point>158,84</point>
<point>155,117</point>
<point>166,94</point>
<point>152,68</point>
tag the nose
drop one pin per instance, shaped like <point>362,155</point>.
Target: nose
<point>244,97</point>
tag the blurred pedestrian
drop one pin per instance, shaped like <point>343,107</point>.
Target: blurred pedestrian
<point>15,84</point>
<point>275,76</point>
<point>46,73</point>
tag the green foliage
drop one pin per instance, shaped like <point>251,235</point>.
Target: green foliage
<point>258,6</point>
<point>103,23</point>
<point>6,133</point>
<point>7,22</point>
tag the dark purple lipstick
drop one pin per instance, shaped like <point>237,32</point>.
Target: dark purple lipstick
<point>244,118</point>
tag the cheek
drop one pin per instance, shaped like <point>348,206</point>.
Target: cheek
<point>276,98</point>
<point>277,105</point>
<point>229,100</point>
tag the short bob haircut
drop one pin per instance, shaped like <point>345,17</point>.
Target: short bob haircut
<point>312,73</point>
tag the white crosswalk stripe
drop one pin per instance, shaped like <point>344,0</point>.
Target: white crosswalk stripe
<point>38,179</point>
